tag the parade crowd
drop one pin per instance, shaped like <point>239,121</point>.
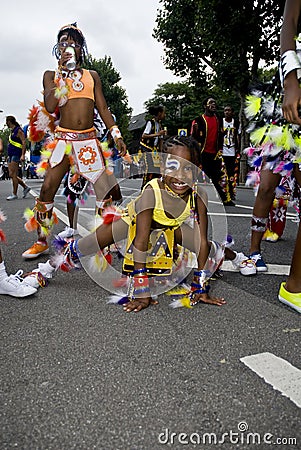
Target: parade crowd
<point>169,219</point>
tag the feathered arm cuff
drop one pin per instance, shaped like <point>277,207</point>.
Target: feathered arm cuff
<point>289,61</point>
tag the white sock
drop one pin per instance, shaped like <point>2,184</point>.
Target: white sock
<point>3,273</point>
<point>236,259</point>
<point>42,242</point>
<point>46,268</point>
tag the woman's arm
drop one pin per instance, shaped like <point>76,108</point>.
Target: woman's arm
<point>106,114</point>
<point>50,101</point>
<point>147,132</point>
<point>21,136</point>
<point>289,31</point>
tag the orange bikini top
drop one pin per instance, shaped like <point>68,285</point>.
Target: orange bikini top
<point>81,84</point>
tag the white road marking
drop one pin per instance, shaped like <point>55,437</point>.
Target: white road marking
<point>82,230</point>
<point>226,214</point>
<point>277,372</point>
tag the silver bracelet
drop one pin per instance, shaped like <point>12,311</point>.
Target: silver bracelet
<point>289,61</point>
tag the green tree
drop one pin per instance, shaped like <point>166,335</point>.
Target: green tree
<point>220,43</point>
<point>115,95</point>
<point>179,101</point>
<point>4,135</point>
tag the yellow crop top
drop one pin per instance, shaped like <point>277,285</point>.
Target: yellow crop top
<point>80,86</point>
<point>159,216</point>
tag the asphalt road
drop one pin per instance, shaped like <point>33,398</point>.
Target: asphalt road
<point>77,373</point>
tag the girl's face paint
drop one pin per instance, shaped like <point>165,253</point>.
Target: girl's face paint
<point>178,172</point>
<point>171,164</point>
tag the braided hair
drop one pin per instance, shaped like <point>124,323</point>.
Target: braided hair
<point>74,33</point>
<point>184,141</point>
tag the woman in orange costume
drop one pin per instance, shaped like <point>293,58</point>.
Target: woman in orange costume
<point>75,91</point>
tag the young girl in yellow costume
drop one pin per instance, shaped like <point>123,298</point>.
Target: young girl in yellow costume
<point>170,211</point>
<point>75,91</point>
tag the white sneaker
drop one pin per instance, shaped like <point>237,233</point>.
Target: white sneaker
<point>67,233</point>
<point>26,190</point>
<point>238,259</point>
<point>39,277</point>
<point>248,267</point>
<point>32,279</point>
<point>16,287</point>
<point>12,197</point>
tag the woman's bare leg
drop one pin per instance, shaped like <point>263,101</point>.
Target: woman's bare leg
<point>50,186</point>
<point>293,283</point>
<point>53,179</point>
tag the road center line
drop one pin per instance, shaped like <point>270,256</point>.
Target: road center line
<point>277,372</point>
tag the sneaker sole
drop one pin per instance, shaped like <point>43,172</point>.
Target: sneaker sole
<point>248,274</point>
<point>286,302</point>
<point>32,256</point>
<point>19,295</point>
<point>261,269</point>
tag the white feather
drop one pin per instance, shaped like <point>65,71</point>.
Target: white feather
<point>114,299</point>
<point>268,108</point>
<point>176,304</point>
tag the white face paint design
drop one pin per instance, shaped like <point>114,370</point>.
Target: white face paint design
<point>171,164</point>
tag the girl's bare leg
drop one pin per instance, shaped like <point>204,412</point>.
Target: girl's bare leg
<point>103,185</point>
<point>263,202</point>
<point>104,235</point>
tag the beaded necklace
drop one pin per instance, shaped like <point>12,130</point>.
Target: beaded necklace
<point>193,211</point>
<point>62,88</point>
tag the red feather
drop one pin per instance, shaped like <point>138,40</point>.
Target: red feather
<point>109,258</point>
<point>110,214</point>
<point>2,236</point>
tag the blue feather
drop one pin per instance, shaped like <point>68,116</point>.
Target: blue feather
<point>117,300</point>
<point>288,166</point>
<point>59,244</point>
<point>257,162</point>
